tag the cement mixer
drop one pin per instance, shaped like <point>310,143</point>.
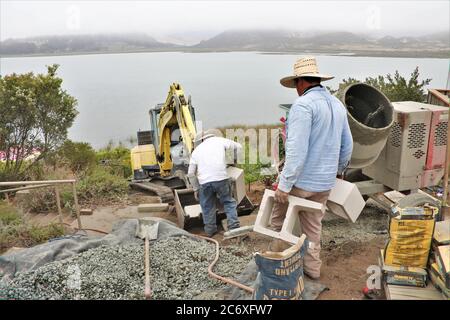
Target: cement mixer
<point>370,116</point>
<point>397,146</point>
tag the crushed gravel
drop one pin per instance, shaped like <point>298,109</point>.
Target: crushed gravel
<point>178,270</point>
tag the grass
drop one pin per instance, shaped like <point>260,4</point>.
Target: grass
<point>15,232</point>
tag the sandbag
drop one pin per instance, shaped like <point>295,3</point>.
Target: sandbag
<point>280,274</point>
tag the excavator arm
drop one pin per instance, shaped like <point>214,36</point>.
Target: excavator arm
<point>175,114</point>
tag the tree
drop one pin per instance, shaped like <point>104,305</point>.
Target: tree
<point>396,87</point>
<point>36,114</point>
<point>79,156</point>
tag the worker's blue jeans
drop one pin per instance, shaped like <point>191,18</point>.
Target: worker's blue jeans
<point>208,194</point>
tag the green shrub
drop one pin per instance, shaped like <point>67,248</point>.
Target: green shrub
<point>15,232</point>
<point>8,214</point>
<point>100,185</point>
<point>39,200</point>
<point>78,156</point>
<point>44,199</point>
<point>395,87</point>
<point>116,159</point>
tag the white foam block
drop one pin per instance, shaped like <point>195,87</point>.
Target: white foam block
<point>345,200</point>
<point>290,230</point>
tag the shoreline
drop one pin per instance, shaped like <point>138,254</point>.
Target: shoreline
<point>355,53</point>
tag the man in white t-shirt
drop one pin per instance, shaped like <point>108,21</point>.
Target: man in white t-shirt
<point>208,163</point>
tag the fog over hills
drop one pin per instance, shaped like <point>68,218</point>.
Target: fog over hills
<point>279,41</point>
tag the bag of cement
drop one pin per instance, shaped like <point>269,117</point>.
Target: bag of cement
<point>410,235</point>
<point>280,274</point>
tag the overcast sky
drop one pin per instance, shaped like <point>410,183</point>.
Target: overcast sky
<point>204,18</point>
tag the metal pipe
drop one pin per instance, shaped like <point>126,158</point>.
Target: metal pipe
<point>19,183</point>
<point>26,188</point>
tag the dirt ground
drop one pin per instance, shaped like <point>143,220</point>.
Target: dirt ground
<point>347,248</point>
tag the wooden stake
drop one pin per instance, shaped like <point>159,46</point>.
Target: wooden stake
<point>58,204</point>
<point>447,163</point>
<point>445,205</point>
<point>77,207</point>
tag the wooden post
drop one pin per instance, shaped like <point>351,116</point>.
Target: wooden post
<point>77,207</point>
<point>58,204</point>
<point>445,205</point>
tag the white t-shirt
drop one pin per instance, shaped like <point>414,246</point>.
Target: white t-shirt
<point>210,159</point>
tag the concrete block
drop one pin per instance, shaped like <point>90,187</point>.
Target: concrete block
<point>291,229</point>
<point>193,211</point>
<point>153,207</point>
<point>237,177</point>
<point>262,221</point>
<point>238,232</point>
<point>345,200</point>
<point>86,212</point>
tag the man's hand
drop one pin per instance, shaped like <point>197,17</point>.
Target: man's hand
<point>281,197</point>
<point>196,196</point>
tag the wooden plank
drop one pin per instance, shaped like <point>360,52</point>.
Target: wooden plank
<point>394,292</point>
<point>370,187</point>
<point>442,232</point>
<point>429,195</point>
<point>382,200</point>
<point>153,207</point>
<point>394,195</point>
<point>58,204</point>
<point>443,256</point>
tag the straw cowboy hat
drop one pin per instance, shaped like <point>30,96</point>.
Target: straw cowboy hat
<point>204,135</point>
<point>304,67</point>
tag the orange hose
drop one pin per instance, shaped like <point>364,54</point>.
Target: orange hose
<point>87,229</point>
<point>218,277</point>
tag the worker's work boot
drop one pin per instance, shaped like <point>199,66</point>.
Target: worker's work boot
<point>309,276</point>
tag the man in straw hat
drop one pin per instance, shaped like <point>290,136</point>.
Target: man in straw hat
<point>208,164</point>
<point>318,148</point>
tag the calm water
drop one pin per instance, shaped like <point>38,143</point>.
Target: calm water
<point>115,91</point>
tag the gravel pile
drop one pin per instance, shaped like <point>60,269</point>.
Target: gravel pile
<point>178,271</point>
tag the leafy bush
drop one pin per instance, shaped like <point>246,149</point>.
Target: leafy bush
<point>14,231</point>
<point>78,156</point>
<point>116,159</point>
<point>100,185</point>
<point>44,199</point>
<point>395,87</point>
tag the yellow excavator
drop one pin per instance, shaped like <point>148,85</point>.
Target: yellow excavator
<point>161,159</point>
<point>173,132</point>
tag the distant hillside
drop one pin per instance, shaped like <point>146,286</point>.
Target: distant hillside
<point>80,44</point>
<point>277,41</point>
<point>282,41</point>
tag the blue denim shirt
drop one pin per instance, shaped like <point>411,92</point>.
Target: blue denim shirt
<point>319,142</point>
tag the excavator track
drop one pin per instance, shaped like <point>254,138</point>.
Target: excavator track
<point>164,192</point>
